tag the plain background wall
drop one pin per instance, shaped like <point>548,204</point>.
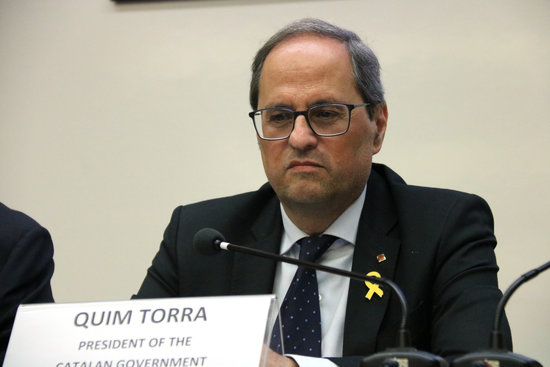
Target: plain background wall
<point>111,115</point>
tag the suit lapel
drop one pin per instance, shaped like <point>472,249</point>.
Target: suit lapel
<point>251,274</point>
<point>377,236</point>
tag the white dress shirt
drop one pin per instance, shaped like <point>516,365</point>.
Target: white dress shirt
<point>333,289</point>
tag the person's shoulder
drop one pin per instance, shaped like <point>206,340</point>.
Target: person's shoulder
<point>15,224</point>
<point>14,218</point>
<point>422,209</point>
<point>243,200</point>
<point>425,196</point>
<point>236,210</point>
<point>17,230</point>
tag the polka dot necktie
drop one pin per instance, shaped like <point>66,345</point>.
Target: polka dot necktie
<point>300,314</point>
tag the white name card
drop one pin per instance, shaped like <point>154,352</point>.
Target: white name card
<point>174,332</point>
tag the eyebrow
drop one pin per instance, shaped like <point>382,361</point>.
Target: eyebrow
<point>316,103</point>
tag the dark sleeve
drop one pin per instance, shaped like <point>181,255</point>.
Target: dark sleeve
<point>161,280</point>
<point>456,287</point>
<point>352,361</point>
<point>25,275</point>
<point>465,287</point>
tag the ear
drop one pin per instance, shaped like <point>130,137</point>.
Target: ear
<point>380,120</point>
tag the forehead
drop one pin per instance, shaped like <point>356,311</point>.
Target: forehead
<point>307,65</point>
<point>306,42</point>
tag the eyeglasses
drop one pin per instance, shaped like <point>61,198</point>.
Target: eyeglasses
<point>327,119</point>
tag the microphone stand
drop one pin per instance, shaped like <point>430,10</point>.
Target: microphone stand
<point>497,355</point>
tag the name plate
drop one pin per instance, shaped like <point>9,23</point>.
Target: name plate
<point>174,332</point>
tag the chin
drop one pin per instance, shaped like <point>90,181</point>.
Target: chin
<point>306,194</point>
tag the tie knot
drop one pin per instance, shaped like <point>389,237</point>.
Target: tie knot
<point>311,248</point>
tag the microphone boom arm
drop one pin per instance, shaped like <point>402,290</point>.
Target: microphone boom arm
<point>403,333</point>
<point>496,334</point>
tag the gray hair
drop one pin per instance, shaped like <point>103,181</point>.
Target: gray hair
<point>366,69</point>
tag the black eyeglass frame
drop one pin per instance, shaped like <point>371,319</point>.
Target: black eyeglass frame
<point>305,113</point>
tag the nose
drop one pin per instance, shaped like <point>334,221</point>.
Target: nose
<point>302,137</point>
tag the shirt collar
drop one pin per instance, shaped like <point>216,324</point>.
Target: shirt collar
<point>344,227</point>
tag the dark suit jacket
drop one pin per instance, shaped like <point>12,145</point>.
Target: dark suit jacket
<point>26,267</point>
<point>438,245</point>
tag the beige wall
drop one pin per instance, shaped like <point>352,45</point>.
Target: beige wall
<point>112,115</point>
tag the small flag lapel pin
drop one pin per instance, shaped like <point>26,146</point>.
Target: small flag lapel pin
<point>381,257</point>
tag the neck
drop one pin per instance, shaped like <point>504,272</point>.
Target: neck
<point>314,219</point>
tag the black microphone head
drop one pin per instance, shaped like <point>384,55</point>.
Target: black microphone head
<point>493,358</point>
<point>207,241</point>
<point>396,357</point>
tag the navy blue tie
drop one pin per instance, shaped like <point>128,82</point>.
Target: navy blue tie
<point>300,314</point>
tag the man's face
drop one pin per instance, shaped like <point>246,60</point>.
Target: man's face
<point>306,170</point>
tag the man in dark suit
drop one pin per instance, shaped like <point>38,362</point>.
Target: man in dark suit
<point>26,267</point>
<point>320,116</point>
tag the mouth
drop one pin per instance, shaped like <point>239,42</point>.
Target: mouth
<point>303,165</point>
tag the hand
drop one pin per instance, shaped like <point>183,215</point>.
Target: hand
<point>274,359</point>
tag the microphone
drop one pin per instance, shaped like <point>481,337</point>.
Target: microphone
<point>208,241</point>
<point>497,355</point>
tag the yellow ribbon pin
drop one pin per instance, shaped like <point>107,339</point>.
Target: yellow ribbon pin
<point>373,287</point>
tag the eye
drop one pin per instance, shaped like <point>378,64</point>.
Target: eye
<point>277,117</point>
<point>327,114</point>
